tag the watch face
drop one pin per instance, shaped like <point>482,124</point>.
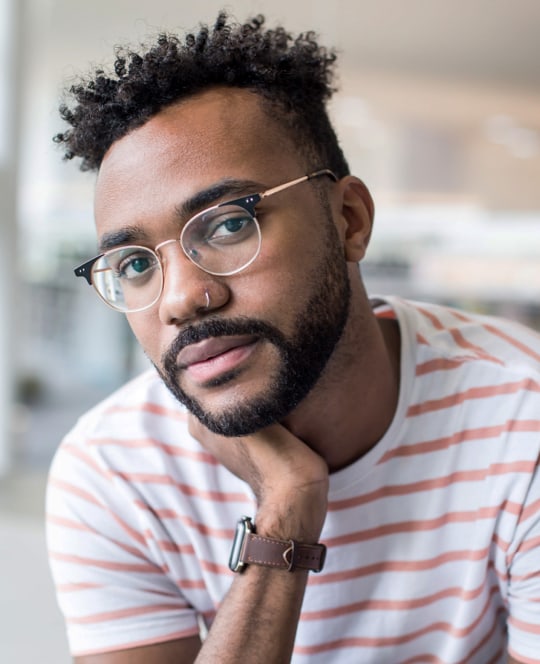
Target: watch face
<point>243,527</point>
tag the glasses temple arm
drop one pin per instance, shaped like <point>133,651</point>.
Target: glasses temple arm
<point>304,178</point>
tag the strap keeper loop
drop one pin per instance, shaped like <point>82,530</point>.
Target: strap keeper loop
<point>288,556</point>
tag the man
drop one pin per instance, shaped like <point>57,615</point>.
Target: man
<point>401,439</point>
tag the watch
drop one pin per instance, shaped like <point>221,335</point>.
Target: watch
<point>251,549</point>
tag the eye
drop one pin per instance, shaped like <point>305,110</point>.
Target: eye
<point>229,227</point>
<point>134,265</point>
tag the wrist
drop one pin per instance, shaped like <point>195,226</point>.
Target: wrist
<point>290,523</point>
<point>251,548</point>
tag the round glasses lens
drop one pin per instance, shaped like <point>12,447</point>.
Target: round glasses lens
<point>128,279</point>
<point>223,240</point>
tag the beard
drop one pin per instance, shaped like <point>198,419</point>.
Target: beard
<point>302,358</point>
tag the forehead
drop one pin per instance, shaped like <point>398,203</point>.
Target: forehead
<point>222,133</point>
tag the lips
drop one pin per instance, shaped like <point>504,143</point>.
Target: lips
<point>215,350</point>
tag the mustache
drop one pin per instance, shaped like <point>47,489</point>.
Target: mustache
<point>218,327</point>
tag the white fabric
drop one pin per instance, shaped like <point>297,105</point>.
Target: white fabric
<point>433,536</point>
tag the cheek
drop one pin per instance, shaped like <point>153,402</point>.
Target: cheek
<point>280,283</point>
<point>290,244</point>
<point>146,328</point>
<point>278,279</point>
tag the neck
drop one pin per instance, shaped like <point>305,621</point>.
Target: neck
<point>353,404</point>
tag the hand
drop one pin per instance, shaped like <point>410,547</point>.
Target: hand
<point>289,479</point>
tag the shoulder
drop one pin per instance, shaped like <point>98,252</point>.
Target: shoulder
<point>468,338</point>
<point>140,405</point>
<point>469,382</point>
<point>125,454</point>
<point>140,425</point>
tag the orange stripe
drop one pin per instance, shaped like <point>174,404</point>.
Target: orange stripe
<point>460,315</point>
<point>424,524</point>
<point>75,525</point>
<point>394,605</point>
<point>75,490</point>
<point>121,614</point>
<point>148,407</point>
<point>191,584</point>
<point>431,317</point>
<point>215,568</point>
<point>146,535</point>
<point>433,659</point>
<point>75,587</point>
<point>480,352</point>
<point>421,339</point>
<point>435,483</point>
<point>503,545</point>
<point>386,313</point>
<point>458,336</point>
<point>513,342</point>
<point>222,533</point>
<point>153,478</point>
<point>171,450</point>
<point>440,364</point>
<point>473,393</point>
<point>399,566</point>
<point>76,452</point>
<point>424,657</point>
<point>520,426</point>
<point>165,513</point>
<point>527,545</point>
<point>527,577</point>
<point>381,642</point>
<point>169,546</point>
<point>488,636</point>
<point>68,523</point>
<point>135,534</point>
<point>70,488</point>
<point>107,564</point>
<point>531,510</point>
<point>524,626</point>
<point>502,576</point>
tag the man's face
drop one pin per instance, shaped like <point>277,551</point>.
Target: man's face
<point>261,346</point>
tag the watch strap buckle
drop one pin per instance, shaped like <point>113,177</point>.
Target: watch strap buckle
<point>249,548</point>
<point>288,556</point>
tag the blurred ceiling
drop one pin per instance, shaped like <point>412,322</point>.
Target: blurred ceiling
<point>460,76</point>
<point>495,41</point>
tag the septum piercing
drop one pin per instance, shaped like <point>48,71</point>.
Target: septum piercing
<point>207,295</point>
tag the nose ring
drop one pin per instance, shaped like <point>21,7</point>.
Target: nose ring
<point>207,296</point>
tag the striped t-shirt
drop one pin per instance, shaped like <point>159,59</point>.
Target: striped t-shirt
<point>433,536</point>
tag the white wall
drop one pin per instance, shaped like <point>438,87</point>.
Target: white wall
<point>8,167</point>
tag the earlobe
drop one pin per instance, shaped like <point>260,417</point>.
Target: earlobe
<point>357,210</point>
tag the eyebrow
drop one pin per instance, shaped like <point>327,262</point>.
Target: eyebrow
<point>127,235</point>
<point>208,197</point>
<point>184,211</point>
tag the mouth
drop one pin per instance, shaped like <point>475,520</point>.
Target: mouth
<point>207,360</point>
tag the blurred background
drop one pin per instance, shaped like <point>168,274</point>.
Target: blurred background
<point>438,111</point>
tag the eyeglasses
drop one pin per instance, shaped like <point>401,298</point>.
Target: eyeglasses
<point>221,240</point>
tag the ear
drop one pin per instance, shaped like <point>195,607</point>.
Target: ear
<point>357,211</point>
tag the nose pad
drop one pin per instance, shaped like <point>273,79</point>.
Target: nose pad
<point>188,291</point>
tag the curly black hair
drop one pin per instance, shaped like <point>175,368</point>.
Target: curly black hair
<point>292,75</point>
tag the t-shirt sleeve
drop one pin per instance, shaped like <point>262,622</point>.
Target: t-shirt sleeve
<point>112,582</point>
<point>524,580</point>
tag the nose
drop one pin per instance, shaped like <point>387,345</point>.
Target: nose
<point>188,291</point>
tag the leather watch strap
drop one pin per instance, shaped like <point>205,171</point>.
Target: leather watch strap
<point>282,554</point>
